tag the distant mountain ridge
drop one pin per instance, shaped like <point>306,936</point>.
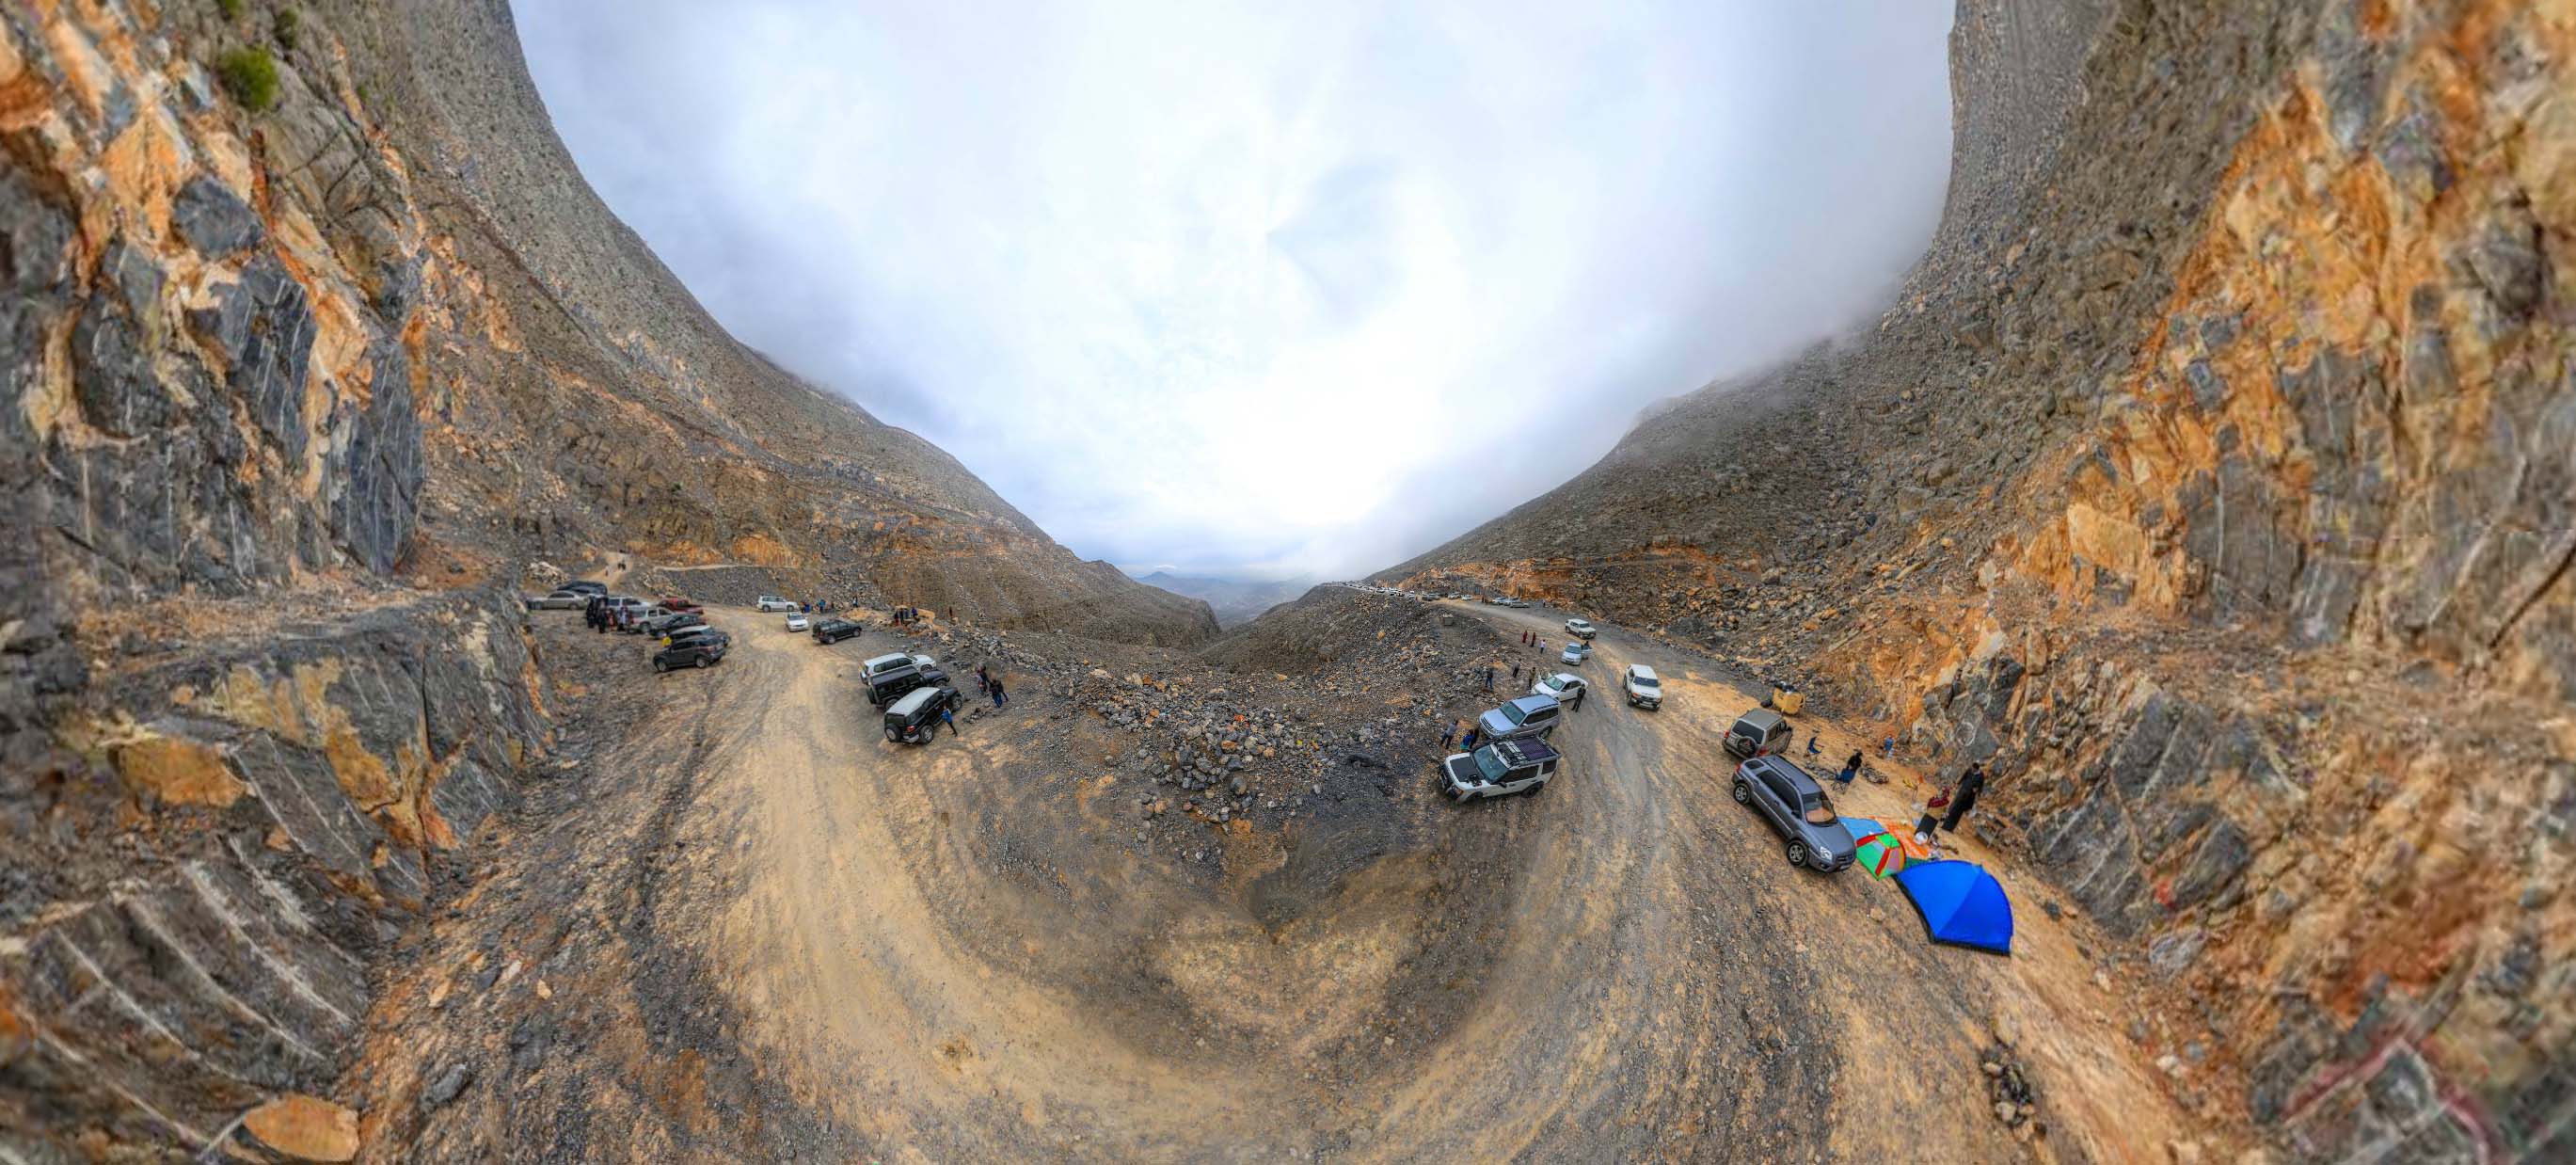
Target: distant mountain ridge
<point>1233,600</point>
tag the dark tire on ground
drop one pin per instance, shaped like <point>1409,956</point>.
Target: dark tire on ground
<point>659,667</point>
<point>1743,793</point>
<point>1798,853</point>
<point>1538,788</point>
<point>704,661</point>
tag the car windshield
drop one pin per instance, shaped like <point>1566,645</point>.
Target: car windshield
<point>1513,713</point>
<point>1817,808</point>
<point>1491,765</point>
<point>1642,681</point>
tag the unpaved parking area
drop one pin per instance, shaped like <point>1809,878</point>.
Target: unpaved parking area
<point>742,923</point>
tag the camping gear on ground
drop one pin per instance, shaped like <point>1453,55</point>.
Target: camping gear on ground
<point>1884,851</point>
<point>1787,700</point>
<point>1881,854</point>
<point>1961,904</point>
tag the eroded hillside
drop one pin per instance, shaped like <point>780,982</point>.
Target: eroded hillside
<point>2214,481</point>
<point>314,340</point>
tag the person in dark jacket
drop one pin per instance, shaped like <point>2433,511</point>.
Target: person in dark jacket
<point>999,699</point>
<point>1579,693</point>
<point>1851,768</point>
<point>1964,798</point>
<point>1489,677</point>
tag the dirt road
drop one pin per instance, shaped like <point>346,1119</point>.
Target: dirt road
<point>826,943</point>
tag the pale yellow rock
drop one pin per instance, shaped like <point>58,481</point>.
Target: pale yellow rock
<point>307,1128</point>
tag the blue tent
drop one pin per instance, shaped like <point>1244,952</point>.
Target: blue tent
<point>1960,903</point>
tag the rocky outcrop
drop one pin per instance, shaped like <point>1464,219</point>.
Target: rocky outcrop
<point>243,821</point>
<point>2210,481</point>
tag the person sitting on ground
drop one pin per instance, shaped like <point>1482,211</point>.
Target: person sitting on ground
<point>1851,768</point>
<point>1813,747</point>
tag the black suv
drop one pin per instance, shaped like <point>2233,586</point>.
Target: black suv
<point>693,651</point>
<point>914,719</point>
<point>891,676</point>
<point>836,630</point>
<point>661,625</point>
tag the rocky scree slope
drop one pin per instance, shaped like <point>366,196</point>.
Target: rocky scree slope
<point>314,338</point>
<point>2213,481</point>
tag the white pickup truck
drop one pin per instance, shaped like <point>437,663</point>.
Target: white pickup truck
<point>1582,628</point>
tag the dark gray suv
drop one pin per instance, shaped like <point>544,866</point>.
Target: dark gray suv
<point>1791,800</point>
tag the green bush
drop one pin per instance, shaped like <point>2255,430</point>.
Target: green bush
<point>288,20</point>
<point>231,9</point>
<point>250,75</point>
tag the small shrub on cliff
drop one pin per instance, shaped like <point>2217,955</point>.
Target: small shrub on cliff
<point>230,9</point>
<point>289,21</point>
<point>250,75</point>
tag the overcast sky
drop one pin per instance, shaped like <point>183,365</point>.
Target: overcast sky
<point>1251,288</point>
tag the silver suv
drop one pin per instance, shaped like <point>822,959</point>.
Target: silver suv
<point>1529,716</point>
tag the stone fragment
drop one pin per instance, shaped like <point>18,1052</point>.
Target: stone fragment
<point>307,1128</point>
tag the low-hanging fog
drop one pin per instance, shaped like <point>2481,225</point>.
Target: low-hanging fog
<point>1249,289</point>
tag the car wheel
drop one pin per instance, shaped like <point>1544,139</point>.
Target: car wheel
<point>1538,788</point>
<point>890,735</point>
<point>704,661</point>
<point>1797,853</point>
<point>659,667</point>
<point>1743,793</point>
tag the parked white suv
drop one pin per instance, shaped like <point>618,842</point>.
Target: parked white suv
<point>1581,627</point>
<point>1642,687</point>
<point>772,604</point>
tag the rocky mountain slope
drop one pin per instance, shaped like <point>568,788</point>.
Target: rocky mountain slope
<point>2213,481</point>
<point>314,340</point>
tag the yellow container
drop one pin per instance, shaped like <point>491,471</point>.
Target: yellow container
<point>1788,702</point>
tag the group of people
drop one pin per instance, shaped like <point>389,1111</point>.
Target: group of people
<point>988,684</point>
<point>1464,743</point>
<point>600,616</point>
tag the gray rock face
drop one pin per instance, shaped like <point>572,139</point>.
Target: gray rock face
<point>225,960</point>
<point>213,219</point>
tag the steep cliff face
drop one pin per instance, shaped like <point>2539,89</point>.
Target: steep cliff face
<point>2214,481</point>
<point>313,339</point>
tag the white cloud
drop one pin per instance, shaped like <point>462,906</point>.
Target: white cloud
<point>1242,286</point>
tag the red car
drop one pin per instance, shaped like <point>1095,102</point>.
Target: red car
<point>675,605</point>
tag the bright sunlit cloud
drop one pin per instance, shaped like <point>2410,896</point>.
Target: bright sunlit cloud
<point>1264,288</point>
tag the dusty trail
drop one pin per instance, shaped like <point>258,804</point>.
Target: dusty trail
<point>938,950</point>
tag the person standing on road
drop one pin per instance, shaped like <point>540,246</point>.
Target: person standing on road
<point>1489,677</point>
<point>948,716</point>
<point>998,698</point>
<point>1516,673</point>
<point>1578,699</point>
<point>1448,733</point>
<point>1970,784</point>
